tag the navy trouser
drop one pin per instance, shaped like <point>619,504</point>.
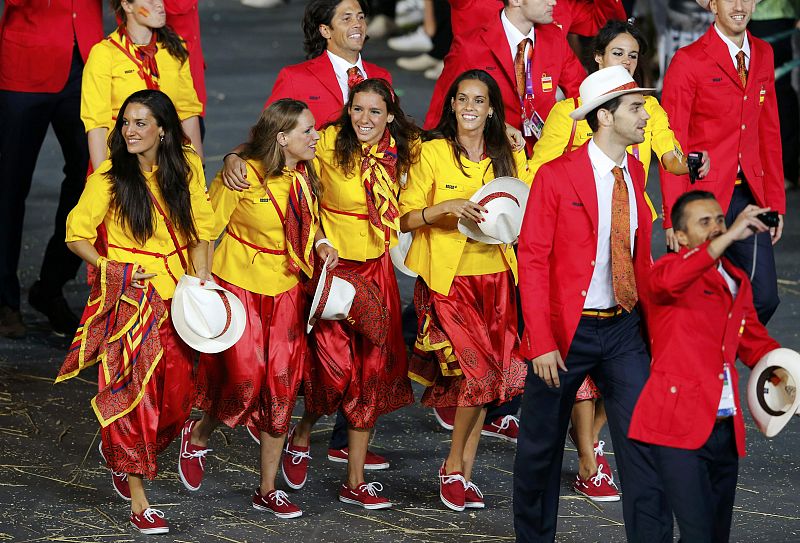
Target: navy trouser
<point>740,253</point>
<point>700,485</point>
<point>613,353</point>
<point>24,118</point>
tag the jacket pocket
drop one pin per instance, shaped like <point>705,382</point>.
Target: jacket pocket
<point>672,400</point>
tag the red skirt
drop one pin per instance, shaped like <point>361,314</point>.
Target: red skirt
<point>347,370</point>
<point>467,349</point>
<point>132,442</point>
<point>588,391</point>
<point>256,381</point>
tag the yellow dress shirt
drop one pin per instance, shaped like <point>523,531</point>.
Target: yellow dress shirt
<point>658,137</point>
<point>94,208</point>
<point>109,77</point>
<point>343,206</point>
<point>440,252</point>
<point>250,215</point>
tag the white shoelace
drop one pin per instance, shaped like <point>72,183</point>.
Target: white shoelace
<point>599,476</point>
<point>281,498</point>
<point>447,479</point>
<point>506,422</point>
<point>149,513</point>
<point>121,474</point>
<point>472,485</point>
<point>598,451</point>
<point>297,456</point>
<point>371,488</point>
<point>199,454</point>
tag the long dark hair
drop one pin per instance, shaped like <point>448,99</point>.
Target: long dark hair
<point>347,149</point>
<point>320,12</point>
<point>129,193</point>
<point>494,132</point>
<point>611,30</point>
<point>167,37</point>
<point>281,116</point>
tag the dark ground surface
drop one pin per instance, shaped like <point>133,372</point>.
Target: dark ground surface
<point>53,486</point>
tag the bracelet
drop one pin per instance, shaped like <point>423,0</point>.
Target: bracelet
<point>323,241</point>
<point>229,154</point>
<point>423,216</point>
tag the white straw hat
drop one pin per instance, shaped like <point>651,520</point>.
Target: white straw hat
<point>399,252</point>
<point>602,86</point>
<point>208,318</point>
<point>505,199</point>
<point>332,298</point>
<point>772,390</point>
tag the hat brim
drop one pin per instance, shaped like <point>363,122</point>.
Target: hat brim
<point>399,252</point>
<point>580,113</point>
<point>199,343</point>
<point>317,296</point>
<point>770,424</point>
<point>517,188</point>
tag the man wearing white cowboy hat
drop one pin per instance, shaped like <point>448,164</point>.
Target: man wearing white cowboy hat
<point>700,318</point>
<point>584,251</point>
<point>719,93</point>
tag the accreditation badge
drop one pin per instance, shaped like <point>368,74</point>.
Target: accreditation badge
<point>533,125</point>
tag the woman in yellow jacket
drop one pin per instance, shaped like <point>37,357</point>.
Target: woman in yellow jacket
<point>142,53</point>
<point>362,157</point>
<point>151,196</point>
<point>262,259</point>
<point>466,349</point>
<point>617,43</point>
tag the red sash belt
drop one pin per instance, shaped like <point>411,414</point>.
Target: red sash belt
<point>162,256</point>
<point>361,217</point>
<point>257,248</point>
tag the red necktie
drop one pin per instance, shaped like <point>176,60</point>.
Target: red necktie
<point>741,67</point>
<point>623,278</point>
<point>354,77</point>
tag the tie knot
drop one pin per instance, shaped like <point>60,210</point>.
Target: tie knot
<point>353,70</point>
<point>617,171</point>
<point>521,46</point>
<point>740,56</point>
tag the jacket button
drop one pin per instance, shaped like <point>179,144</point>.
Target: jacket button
<point>673,389</point>
<point>721,377</point>
<point>745,97</point>
<point>723,348</point>
<point>363,234</point>
<point>583,293</point>
<point>593,263</point>
<point>743,127</point>
<point>730,315</point>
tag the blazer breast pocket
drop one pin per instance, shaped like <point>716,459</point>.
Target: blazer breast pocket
<point>672,401</point>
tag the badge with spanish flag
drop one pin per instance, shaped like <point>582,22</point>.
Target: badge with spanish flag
<point>547,83</point>
<point>761,95</point>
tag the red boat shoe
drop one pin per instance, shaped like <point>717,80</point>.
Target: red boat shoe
<point>445,416</point>
<point>372,462</point>
<point>452,489</point>
<point>473,497</point>
<point>191,459</point>
<point>276,502</point>
<point>150,521</point>
<point>366,495</point>
<point>294,463</point>
<point>598,488</point>
<point>505,428</point>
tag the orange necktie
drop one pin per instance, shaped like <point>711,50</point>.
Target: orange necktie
<point>741,67</point>
<point>622,275</point>
<point>354,77</point>
<point>521,61</point>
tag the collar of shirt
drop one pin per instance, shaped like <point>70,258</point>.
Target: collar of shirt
<point>340,67</point>
<point>514,36</point>
<point>733,49</point>
<point>601,162</point>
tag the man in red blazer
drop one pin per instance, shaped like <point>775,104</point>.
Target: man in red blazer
<point>493,48</point>
<point>584,249</point>
<point>719,93</point>
<point>700,318</point>
<point>43,46</point>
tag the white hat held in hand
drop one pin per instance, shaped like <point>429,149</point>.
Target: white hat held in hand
<point>399,252</point>
<point>602,86</point>
<point>505,199</point>
<point>772,390</point>
<point>332,298</point>
<point>208,318</point>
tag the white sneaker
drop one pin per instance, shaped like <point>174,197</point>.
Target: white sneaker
<point>262,3</point>
<point>418,63</point>
<point>413,42</point>
<point>380,27</point>
<point>434,72</point>
<point>409,13</point>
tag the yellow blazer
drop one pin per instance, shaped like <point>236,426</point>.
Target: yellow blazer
<point>159,256</point>
<point>440,252</point>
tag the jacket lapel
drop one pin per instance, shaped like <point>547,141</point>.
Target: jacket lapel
<point>322,69</point>
<point>581,176</point>
<point>494,37</point>
<point>718,51</point>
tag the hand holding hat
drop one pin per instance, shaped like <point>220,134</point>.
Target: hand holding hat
<point>504,200</point>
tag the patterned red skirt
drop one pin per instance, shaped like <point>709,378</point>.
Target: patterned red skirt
<point>256,381</point>
<point>588,391</point>
<point>132,442</point>
<point>348,370</point>
<point>467,350</point>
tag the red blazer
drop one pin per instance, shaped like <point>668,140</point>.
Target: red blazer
<point>558,246</point>
<point>37,37</point>
<point>709,109</point>
<point>184,19</point>
<point>695,326</point>
<point>584,17</point>
<point>314,82</point>
<point>489,50</point>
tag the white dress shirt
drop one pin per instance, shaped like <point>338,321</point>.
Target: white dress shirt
<point>601,290</point>
<point>514,36</point>
<point>732,285</point>
<point>734,49</point>
<point>340,67</point>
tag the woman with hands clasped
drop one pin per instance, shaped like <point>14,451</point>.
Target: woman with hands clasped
<point>150,195</point>
<point>466,348</point>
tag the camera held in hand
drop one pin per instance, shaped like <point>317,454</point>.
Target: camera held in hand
<point>693,161</point>
<point>769,218</point>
